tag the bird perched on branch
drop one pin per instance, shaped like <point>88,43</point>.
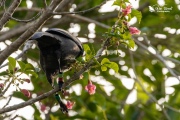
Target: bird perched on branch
<point>58,50</point>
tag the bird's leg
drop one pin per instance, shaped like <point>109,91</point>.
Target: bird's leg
<point>63,107</point>
<point>60,76</point>
<point>51,80</point>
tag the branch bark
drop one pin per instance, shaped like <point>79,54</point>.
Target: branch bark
<point>29,102</point>
<point>7,14</point>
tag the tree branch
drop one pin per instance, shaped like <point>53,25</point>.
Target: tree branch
<point>7,14</point>
<point>90,20</point>
<point>30,20</point>
<point>80,12</point>
<point>29,102</point>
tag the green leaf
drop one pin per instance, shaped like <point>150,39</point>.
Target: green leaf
<point>21,64</point>
<point>136,13</point>
<point>29,66</point>
<point>89,52</point>
<point>131,43</point>
<point>103,68</point>
<point>105,60</point>
<point>12,63</point>
<point>117,2</point>
<point>3,73</point>
<point>126,36</point>
<point>32,73</point>
<point>113,66</point>
<point>106,63</point>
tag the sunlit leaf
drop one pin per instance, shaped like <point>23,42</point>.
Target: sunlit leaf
<point>21,64</point>
<point>88,52</point>
<point>136,13</point>
<point>106,63</point>
<point>131,43</point>
<point>12,63</point>
<point>103,68</point>
<point>29,72</point>
<point>117,2</point>
<point>29,66</point>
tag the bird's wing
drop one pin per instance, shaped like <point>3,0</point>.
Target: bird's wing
<point>64,33</point>
<point>45,39</point>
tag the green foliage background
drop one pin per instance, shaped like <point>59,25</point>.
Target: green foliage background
<point>113,106</point>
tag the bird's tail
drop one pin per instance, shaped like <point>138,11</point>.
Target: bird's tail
<point>62,105</point>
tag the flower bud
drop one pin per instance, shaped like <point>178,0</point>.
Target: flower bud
<point>26,93</point>
<point>1,85</point>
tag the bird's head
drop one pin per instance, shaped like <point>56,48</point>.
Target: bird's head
<point>29,44</point>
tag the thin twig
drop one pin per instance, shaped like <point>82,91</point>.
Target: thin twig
<point>7,14</point>
<point>90,21</point>
<point>45,3</point>
<point>3,92</point>
<point>80,12</point>
<point>30,20</point>
<point>14,117</point>
<point>2,2</point>
<point>7,101</point>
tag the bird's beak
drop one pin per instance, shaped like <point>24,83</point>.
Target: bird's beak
<point>28,45</point>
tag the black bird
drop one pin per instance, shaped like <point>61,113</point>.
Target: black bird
<point>58,50</point>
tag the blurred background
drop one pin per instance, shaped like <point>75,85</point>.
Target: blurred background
<point>147,84</point>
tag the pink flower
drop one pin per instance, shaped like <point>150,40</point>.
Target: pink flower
<point>43,107</point>
<point>134,30</point>
<point>1,85</point>
<point>90,88</point>
<point>26,93</point>
<point>69,104</point>
<point>127,10</point>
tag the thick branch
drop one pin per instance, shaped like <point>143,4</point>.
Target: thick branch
<point>14,32</point>
<point>7,15</point>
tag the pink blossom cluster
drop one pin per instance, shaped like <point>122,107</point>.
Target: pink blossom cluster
<point>69,104</point>
<point>127,10</point>
<point>133,30</point>
<point>90,88</point>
